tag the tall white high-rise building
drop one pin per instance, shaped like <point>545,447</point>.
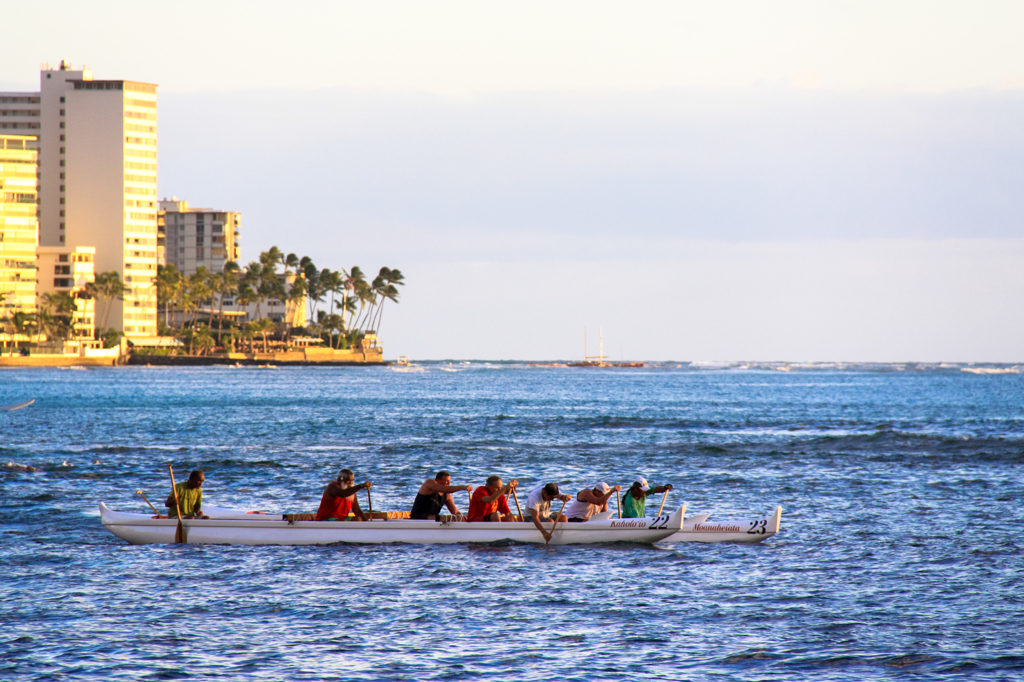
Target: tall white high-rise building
<point>97,177</point>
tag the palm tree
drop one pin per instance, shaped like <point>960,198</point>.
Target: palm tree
<point>350,279</point>
<point>199,287</point>
<point>367,300</point>
<point>332,283</point>
<point>168,288</point>
<point>245,295</point>
<point>263,326</point>
<point>106,287</point>
<point>296,293</point>
<point>227,286</point>
<point>314,292</point>
<point>199,336</point>
<point>389,278</point>
<point>58,314</point>
<point>291,261</point>
<point>271,257</point>
<point>251,278</point>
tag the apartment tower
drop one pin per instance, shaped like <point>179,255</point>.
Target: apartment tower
<point>97,178</point>
<point>194,237</point>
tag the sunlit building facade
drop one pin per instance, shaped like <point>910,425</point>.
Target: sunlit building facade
<point>68,270</point>
<point>97,177</point>
<point>19,228</point>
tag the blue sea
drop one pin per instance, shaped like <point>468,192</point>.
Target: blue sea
<point>899,555</point>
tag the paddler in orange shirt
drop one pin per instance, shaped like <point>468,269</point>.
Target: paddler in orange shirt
<point>340,498</point>
<point>488,502</point>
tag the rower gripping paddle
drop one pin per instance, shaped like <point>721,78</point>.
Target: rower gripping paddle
<point>179,534</point>
<point>518,508</point>
<point>564,502</point>
<point>663,498</point>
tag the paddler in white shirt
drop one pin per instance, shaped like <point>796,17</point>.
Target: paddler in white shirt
<point>590,501</point>
<point>538,506</point>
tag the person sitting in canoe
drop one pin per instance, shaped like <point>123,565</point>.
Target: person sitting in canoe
<point>589,502</point>
<point>190,498</point>
<point>340,498</point>
<point>436,493</point>
<point>488,502</point>
<point>538,506</point>
<point>634,501</point>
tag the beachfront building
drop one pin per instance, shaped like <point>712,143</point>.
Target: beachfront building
<point>67,270</point>
<point>194,237</point>
<point>19,234</point>
<point>97,177</point>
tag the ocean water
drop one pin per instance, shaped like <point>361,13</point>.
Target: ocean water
<point>899,555</point>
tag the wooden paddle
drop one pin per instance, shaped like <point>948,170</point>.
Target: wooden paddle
<point>618,501</point>
<point>179,534</point>
<point>369,501</point>
<point>564,502</point>
<point>663,498</point>
<point>148,502</point>
<point>518,508</point>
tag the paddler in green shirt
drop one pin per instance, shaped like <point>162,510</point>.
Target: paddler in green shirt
<point>190,497</point>
<point>634,502</point>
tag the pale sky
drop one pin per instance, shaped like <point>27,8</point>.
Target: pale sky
<point>706,181</point>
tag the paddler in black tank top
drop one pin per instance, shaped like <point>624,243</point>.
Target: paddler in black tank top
<point>434,494</point>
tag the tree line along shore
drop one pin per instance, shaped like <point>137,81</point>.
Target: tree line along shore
<point>276,303</point>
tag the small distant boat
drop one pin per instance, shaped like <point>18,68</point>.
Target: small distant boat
<point>239,527</point>
<point>16,406</point>
<point>267,366</point>
<point>403,359</point>
<point>990,370</point>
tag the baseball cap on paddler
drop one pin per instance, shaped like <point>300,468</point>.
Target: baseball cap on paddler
<point>643,483</point>
<point>603,487</point>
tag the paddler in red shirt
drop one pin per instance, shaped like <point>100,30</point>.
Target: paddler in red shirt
<point>488,502</point>
<point>340,498</point>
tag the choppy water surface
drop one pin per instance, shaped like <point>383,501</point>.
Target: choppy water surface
<point>899,558</point>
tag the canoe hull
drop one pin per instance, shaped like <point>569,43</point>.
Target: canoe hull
<point>140,529</point>
<point>699,529</point>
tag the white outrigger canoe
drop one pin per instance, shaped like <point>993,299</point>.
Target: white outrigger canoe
<point>238,527</point>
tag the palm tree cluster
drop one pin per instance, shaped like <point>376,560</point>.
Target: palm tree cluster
<point>55,317</point>
<point>273,278</point>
